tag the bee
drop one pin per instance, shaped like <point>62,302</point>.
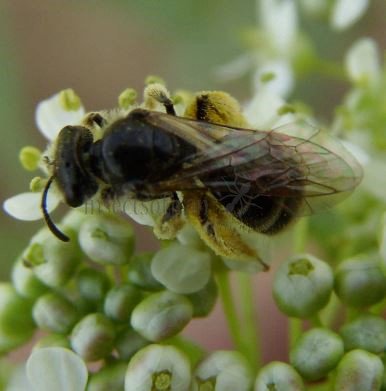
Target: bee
<point>221,175</point>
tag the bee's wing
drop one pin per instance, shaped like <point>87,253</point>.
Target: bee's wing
<point>295,160</point>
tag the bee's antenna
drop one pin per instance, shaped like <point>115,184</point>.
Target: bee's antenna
<point>50,224</point>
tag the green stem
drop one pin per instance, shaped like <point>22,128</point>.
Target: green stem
<point>316,321</point>
<point>329,314</point>
<point>299,246</point>
<point>229,308</point>
<point>352,314</point>
<point>295,331</point>
<point>250,327</point>
<point>300,236</point>
<point>379,308</point>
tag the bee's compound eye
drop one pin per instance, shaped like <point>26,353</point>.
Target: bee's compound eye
<point>71,171</point>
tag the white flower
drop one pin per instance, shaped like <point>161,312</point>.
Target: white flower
<point>279,21</point>
<point>25,206</point>
<point>277,35</point>
<point>263,111</point>
<point>158,367</point>
<point>362,62</point>
<point>346,12</point>
<point>279,75</point>
<point>52,115</point>
<point>146,212</point>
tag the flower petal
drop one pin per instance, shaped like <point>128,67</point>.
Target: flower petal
<point>146,212</point>
<point>235,68</point>
<point>26,206</point>
<point>262,111</point>
<point>279,20</point>
<point>346,12</point>
<point>362,61</point>
<point>282,81</point>
<point>56,368</point>
<point>51,117</point>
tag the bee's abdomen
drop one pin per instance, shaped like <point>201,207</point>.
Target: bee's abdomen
<point>262,213</point>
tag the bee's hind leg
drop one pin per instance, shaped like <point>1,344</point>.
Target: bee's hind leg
<point>171,221</point>
<point>216,228</point>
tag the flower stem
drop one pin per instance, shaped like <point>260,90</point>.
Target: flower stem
<point>223,282</point>
<point>295,331</point>
<point>251,333</point>
<point>316,321</point>
<point>330,313</point>
<point>299,245</point>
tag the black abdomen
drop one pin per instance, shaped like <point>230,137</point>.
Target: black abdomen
<point>263,213</point>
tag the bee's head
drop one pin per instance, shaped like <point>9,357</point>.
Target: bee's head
<point>71,171</point>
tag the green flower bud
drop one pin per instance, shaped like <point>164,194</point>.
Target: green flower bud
<point>92,284</point>
<point>204,300</point>
<point>93,337</point>
<point>188,236</point>
<point>52,260</point>
<point>107,239</point>
<point>359,371</point>
<point>110,377</point>
<point>56,368</point>
<point>278,376</point>
<point>367,332</point>
<point>161,315</point>
<point>37,184</point>
<point>182,269</point>
<point>16,324</point>
<point>152,79</point>
<point>140,272</point>
<point>25,281</point>
<point>316,353</point>
<point>158,368</point>
<point>127,98</point>
<point>223,370</point>
<point>360,282</point>
<point>302,286</point>
<point>69,100</point>
<point>30,157</point>
<point>53,340</point>
<point>53,312</point>
<point>120,302</point>
<point>128,343</point>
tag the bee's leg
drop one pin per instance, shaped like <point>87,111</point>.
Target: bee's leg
<point>171,221</point>
<point>216,227</point>
<point>169,107</point>
<point>159,93</point>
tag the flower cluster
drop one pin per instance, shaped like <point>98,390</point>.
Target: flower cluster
<point>96,300</point>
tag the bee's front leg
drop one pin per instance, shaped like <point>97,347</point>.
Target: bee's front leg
<point>216,227</point>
